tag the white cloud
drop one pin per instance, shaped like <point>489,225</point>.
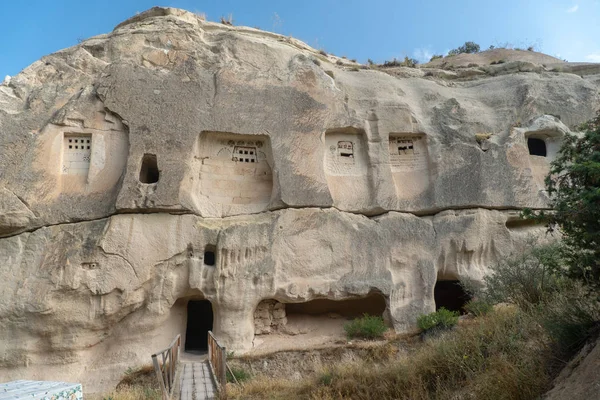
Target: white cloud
<point>6,78</point>
<point>593,57</point>
<point>573,9</point>
<point>422,54</point>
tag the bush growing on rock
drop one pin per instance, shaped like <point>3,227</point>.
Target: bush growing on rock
<point>407,62</point>
<point>237,374</point>
<point>367,327</point>
<point>534,280</point>
<point>525,279</point>
<point>478,307</point>
<point>468,47</point>
<point>439,320</point>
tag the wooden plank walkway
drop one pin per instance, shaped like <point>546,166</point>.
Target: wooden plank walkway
<point>197,382</point>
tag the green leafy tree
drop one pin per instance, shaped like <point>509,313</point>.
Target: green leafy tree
<point>574,188</point>
<point>468,47</point>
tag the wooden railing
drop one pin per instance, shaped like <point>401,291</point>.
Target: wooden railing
<point>165,365</point>
<point>217,358</point>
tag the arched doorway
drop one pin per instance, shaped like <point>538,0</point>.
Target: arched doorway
<point>450,295</point>
<point>199,322</point>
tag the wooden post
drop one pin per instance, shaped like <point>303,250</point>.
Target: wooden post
<point>223,371</point>
<point>166,372</point>
<point>160,378</point>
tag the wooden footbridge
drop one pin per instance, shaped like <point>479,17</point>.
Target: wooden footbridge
<point>199,380</point>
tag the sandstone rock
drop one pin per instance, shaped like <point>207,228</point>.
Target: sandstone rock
<point>14,214</point>
<point>579,379</point>
<point>175,159</point>
<point>494,56</point>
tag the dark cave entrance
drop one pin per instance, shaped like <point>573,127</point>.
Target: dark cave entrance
<point>149,172</point>
<point>209,255</point>
<point>199,322</point>
<point>372,304</point>
<point>537,147</point>
<point>450,295</point>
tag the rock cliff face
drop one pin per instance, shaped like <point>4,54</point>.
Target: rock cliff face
<point>176,159</point>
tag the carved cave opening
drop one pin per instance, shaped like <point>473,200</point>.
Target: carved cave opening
<point>321,316</point>
<point>199,322</point>
<point>210,257</point>
<point>149,172</point>
<point>451,296</point>
<point>537,147</point>
<point>373,304</point>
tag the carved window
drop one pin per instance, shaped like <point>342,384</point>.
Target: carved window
<point>405,146</point>
<point>77,152</point>
<point>537,147</point>
<point>345,151</point>
<point>209,255</point>
<point>244,154</point>
<point>408,153</point>
<point>149,172</point>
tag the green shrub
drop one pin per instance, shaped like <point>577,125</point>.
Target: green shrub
<point>478,307</point>
<point>501,356</point>
<point>468,47</point>
<point>524,279</point>
<point>568,310</point>
<point>407,62</point>
<point>326,378</point>
<point>367,326</point>
<point>573,185</point>
<point>435,57</point>
<point>570,317</point>
<point>441,319</point>
<point>239,373</point>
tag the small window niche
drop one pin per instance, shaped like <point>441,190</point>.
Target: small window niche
<point>408,152</point>
<point>234,170</point>
<point>345,151</point>
<point>149,172</point>
<point>77,153</point>
<point>537,147</point>
<point>210,257</point>
<point>245,154</point>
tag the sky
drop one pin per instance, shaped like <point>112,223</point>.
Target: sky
<point>377,29</point>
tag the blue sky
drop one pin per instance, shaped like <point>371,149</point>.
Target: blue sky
<point>376,29</point>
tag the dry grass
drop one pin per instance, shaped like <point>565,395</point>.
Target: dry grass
<point>500,356</point>
<point>227,20</point>
<point>133,393</point>
<point>138,384</point>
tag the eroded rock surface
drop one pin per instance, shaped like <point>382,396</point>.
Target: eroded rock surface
<point>175,159</point>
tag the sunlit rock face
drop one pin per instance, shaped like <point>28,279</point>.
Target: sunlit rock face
<point>177,160</point>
